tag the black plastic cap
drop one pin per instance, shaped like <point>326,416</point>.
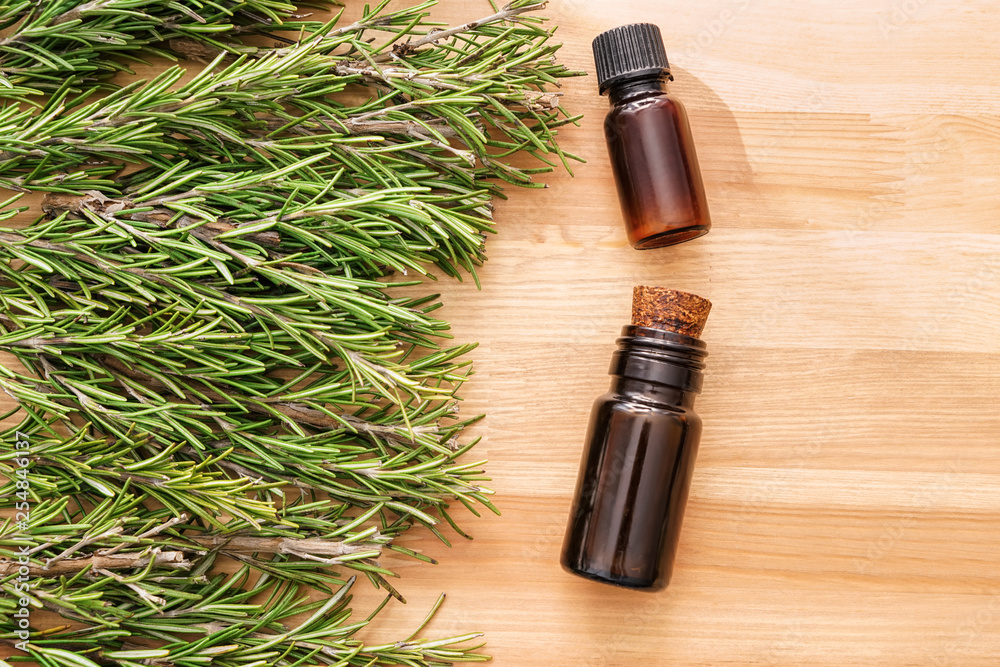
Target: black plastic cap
<point>628,51</point>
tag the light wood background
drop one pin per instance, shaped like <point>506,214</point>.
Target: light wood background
<point>846,499</point>
<point>845,504</point>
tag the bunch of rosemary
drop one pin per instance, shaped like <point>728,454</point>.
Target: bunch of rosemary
<point>211,355</point>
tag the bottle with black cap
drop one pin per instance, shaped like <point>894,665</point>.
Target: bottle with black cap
<point>649,140</point>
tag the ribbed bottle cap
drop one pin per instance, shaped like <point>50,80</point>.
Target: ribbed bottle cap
<point>627,51</point>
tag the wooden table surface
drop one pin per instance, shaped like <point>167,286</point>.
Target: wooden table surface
<point>845,504</point>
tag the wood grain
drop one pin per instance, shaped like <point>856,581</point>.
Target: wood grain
<point>844,504</point>
<point>847,493</point>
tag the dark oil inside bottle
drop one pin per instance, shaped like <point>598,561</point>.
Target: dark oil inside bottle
<point>636,471</point>
<point>655,165</point>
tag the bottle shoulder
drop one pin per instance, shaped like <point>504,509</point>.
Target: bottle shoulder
<point>639,405</point>
<point>654,103</point>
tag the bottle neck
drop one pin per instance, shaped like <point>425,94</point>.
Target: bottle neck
<point>658,367</point>
<point>638,87</point>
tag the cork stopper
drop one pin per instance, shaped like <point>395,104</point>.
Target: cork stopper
<point>669,310</point>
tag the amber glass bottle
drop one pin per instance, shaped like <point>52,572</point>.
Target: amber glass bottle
<point>641,446</point>
<point>649,140</point>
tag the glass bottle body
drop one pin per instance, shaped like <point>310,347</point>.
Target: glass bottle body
<point>655,165</point>
<point>636,468</point>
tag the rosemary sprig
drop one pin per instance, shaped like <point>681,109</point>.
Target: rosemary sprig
<point>53,40</point>
<point>222,351</point>
<point>230,629</point>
